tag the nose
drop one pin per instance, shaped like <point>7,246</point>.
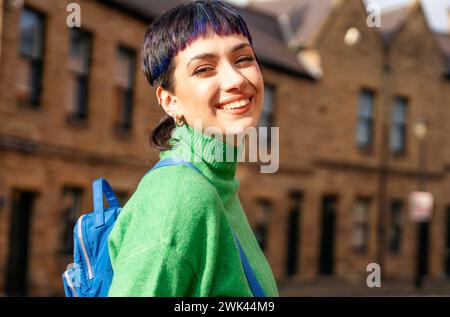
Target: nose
<point>232,78</point>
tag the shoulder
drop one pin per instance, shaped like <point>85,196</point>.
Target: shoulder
<point>174,196</point>
<point>177,184</point>
<point>173,206</point>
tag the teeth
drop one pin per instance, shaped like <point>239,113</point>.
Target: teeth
<point>236,104</point>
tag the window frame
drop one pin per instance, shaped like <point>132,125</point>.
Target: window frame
<point>268,112</point>
<point>124,113</point>
<point>36,77</point>
<point>361,225</point>
<point>70,216</point>
<point>403,125</point>
<point>395,226</point>
<point>366,120</point>
<point>80,110</point>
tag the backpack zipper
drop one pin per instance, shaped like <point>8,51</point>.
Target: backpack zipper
<point>70,284</point>
<point>83,248</point>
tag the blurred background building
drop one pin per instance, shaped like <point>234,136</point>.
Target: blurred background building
<point>362,112</point>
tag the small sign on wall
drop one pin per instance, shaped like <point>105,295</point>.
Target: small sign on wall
<point>420,206</point>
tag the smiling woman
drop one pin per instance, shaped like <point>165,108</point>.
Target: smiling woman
<point>184,232</point>
<point>221,83</point>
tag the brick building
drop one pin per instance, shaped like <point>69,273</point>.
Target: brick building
<point>374,86</point>
<point>74,107</point>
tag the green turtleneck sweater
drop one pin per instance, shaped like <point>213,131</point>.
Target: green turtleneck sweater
<point>174,236</point>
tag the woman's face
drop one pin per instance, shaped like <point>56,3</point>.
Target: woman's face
<point>218,80</point>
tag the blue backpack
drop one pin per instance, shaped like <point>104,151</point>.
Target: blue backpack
<point>91,273</point>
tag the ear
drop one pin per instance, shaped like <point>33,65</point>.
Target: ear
<point>168,101</point>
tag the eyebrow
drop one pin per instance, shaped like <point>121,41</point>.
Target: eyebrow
<point>211,55</point>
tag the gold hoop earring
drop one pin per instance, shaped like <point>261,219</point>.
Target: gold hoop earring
<point>179,122</point>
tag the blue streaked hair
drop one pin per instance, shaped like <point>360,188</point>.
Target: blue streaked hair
<point>176,29</point>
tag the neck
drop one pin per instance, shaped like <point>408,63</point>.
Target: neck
<point>197,147</point>
<point>216,159</point>
<point>234,136</point>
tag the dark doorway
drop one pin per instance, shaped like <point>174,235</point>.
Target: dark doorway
<point>423,248</point>
<point>263,219</point>
<point>327,239</point>
<point>447,244</point>
<point>422,252</point>
<point>293,239</point>
<point>16,273</point>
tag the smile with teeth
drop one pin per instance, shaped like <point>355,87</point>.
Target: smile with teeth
<point>236,104</point>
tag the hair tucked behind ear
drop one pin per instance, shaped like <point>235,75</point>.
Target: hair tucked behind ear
<point>161,134</point>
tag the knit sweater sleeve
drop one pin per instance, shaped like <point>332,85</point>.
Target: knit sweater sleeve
<point>164,242</point>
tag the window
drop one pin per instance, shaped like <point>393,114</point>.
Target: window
<point>394,230</point>
<point>398,132</point>
<point>364,129</point>
<point>360,226</point>
<point>124,86</point>
<point>79,64</point>
<point>29,82</point>
<point>267,118</point>
<point>262,222</point>
<point>72,199</point>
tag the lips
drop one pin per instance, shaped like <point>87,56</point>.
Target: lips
<point>237,107</point>
<point>235,104</point>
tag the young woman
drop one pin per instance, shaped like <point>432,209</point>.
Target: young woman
<point>175,236</point>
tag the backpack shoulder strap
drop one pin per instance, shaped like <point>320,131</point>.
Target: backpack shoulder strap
<point>251,277</point>
<point>173,161</point>
<point>101,187</point>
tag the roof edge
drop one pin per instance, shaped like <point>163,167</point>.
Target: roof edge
<point>127,9</point>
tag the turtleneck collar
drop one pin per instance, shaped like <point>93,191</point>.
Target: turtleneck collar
<point>216,159</point>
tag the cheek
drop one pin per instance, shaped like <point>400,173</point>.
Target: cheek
<point>258,83</point>
<point>255,78</point>
<point>205,88</point>
<point>206,92</point>
<point>198,96</point>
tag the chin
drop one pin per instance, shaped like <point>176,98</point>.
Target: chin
<point>241,127</point>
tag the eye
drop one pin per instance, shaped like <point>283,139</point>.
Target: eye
<point>202,70</point>
<point>245,60</point>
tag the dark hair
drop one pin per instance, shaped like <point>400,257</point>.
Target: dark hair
<point>171,33</point>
